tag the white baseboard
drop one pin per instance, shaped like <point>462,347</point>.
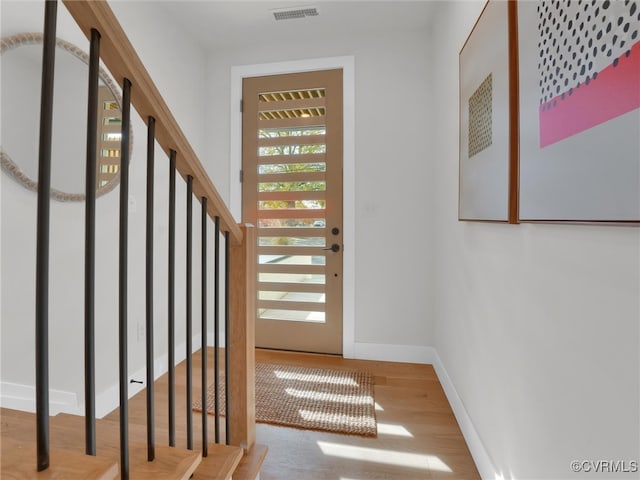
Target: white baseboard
<point>476,447</point>
<point>390,353</point>
<point>23,397</point>
<point>109,399</point>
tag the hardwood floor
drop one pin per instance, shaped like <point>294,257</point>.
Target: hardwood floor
<point>418,436</point>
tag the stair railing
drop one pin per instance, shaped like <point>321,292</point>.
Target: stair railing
<point>110,43</point>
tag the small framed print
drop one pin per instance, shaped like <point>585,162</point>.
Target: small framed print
<point>488,117</point>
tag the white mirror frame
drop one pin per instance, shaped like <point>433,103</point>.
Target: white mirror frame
<point>9,165</point>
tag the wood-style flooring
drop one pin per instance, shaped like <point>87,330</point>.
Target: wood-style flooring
<point>418,436</point>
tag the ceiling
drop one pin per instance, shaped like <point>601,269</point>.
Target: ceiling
<point>219,24</point>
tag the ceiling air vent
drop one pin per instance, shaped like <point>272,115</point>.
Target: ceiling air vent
<point>297,12</point>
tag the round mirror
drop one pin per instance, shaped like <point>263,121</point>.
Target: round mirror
<point>21,84</point>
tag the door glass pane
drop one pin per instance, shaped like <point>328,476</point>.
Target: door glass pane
<point>292,259</point>
<point>291,131</point>
<point>291,222</point>
<point>291,241</point>
<point>315,278</point>
<point>303,149</point>
<point>289,204</point>
<point>271,168</point>
<point>291,315</point>
<point>282,96</point>
<point>280,114</point>
<point>319,186</point>
<point>292,296</point>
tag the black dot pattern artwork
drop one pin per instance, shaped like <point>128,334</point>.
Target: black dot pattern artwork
<point>480,117</point>
<point>578,39</point>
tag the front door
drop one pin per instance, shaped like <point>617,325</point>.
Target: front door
<point>292,193</point>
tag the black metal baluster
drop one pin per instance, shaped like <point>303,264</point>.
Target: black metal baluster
<point>151,135</point>
<point>171,298</point>
<point>203,328</point>
<point>90,248</point>
<point>42,239</point>
<point>189,328</point>
<point>123,277</point>
<point>227,337</point>
<point>216,328</point>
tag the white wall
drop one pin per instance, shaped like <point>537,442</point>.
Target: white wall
<point>393,254</point>
<point>179,68</point>
<point>537,325</point>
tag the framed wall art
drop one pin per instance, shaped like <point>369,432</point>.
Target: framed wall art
<point>488,117</point>
<point>579,113</point>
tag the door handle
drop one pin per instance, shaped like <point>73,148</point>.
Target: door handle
<point>335,248</point>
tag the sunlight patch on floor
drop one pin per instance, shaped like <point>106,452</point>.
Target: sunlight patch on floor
<point>379,407</point>
<point>315,378</point>
<point>388,457</point>
<point>336,418</point>
<point>396,430</point>
<point>501,476</point>
<point>330,397</point>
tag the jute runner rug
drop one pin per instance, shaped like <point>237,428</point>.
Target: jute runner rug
<point>310,398</point>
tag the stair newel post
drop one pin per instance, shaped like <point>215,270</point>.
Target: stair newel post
<point>42,239</point>
<point>203,327</point>
<point>151,133</point>
<point>216,328</point>
<point>240,338</point>
<point>189,300</point>
<point>123,280</point>
<point>90,247</point>
<point>171,296</point>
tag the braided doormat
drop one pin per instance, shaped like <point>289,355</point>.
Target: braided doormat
<point>310,398</point>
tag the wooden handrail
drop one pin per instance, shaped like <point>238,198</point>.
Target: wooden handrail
<point>122,60</point>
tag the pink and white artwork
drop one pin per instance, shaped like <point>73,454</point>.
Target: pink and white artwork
<point>589,64</point>
<point>579,111</point>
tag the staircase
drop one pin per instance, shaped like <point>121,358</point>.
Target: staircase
<point>68,460</point>
<point>40,446</point>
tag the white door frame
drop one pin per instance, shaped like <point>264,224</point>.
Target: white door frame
<point>347,64</point>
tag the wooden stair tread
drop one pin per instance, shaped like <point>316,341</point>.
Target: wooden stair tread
<point>107,432</point>
<point>220,463</point>
<point>19,462</point>
<point>18,454</point>
<point>251,463</point>
<point>66,433</point>
<point>169,463</point>
<point>67,436</point>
